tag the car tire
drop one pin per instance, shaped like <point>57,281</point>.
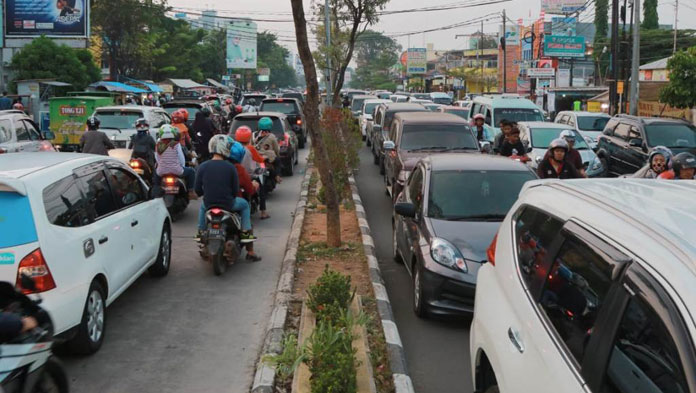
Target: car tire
<point>92,327</point>
<point>395,247</point>
<point>164,256</point>
<point>375,157</point>
<point>368,141</point>
<point>420,307</point>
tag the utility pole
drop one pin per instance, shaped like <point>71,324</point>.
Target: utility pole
<point>676,19</point>
<point>613,102</point>
<point>635,63</point>
<point>327,27</point>
<point>504,45</point>
<point>481,51</point>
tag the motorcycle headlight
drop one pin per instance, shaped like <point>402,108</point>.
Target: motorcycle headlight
<point>446,254</point>
<point>403,176</point>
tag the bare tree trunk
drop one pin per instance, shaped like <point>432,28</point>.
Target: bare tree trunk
<point>311,109</point>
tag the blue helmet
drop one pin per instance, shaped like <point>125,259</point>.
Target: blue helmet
<point>237,151</point>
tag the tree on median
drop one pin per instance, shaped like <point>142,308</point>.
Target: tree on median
<point>679,92</point>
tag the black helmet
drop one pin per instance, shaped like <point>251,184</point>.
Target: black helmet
<point>93,123</point>
<point>206,111</point>
<point>683,160</point>
<point>252,101</point>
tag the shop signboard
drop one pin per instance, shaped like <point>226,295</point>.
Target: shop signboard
<point>541,72</point>
<point>562,7</point>
<point>562,46</point>
<point>563,26</point>
<point>417,60</point>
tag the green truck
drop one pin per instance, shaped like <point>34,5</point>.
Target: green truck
<point>68,116</point>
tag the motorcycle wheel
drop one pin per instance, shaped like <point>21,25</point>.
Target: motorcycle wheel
<point>219,263</point>
<point>53,379</point>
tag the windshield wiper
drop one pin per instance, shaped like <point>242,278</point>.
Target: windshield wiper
<point>477,217</point>
<point>429,148</point>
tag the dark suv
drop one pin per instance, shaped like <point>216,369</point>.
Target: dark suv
<point>292,108</point>
<point>626,142</point>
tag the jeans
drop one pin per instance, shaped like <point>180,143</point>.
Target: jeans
<point>240,205</point>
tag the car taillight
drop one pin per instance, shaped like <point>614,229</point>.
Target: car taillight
<point>215,211</point>
<point>490,253</point>
<point>46,146</point>
<point>34,265</point>
<point>134,164</point>
<point>299,122</point>
<point>169,180</point>
<point>2,150</point>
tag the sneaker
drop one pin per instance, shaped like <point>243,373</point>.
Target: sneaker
<point>252,257</point>
<point>248,237</point>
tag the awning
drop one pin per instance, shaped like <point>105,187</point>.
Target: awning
<point>153,87</point>
<point>217,84</point>
<point>118,87</point>
<point>55,83</point>
<point>186,83</point>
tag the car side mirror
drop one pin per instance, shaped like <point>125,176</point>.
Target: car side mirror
<point>635,142</point>
<point>48,135</point>
<point>388,145</point>
<point>405,209</point>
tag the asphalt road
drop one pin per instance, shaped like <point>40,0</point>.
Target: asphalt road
<point>192,331</point>
<point>437,351</point>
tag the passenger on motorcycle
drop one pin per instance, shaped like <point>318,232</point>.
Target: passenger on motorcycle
<point>143,144</point>
<point>505,128</point>
<point>683,167</point>
<point>218,183</point>
<point>250,106</point>
<point>480,130</point>
<point>11,325</point>
<point>554,165</point>
<point>513,146</point>
<point>250,162</point>
<point>204,130</point>
<point>179,118</point>
<point>248,188</point>
<point>171,160</point>
<point>268,147</point>
<point>659,161</point>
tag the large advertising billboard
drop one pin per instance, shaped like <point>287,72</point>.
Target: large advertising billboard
<point>417,60</point>
<point>562,46</point>
<point>54,18</point>
<point>241,44</point>
<point>562,7</point>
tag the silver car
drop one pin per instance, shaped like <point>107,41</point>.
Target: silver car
<point>118,122</point>
<point>19,133</point>
<point>589,124</point>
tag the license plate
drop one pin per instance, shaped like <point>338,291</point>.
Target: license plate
<point>171,189</point>
<point>139,171</point>
<point>215,232</point>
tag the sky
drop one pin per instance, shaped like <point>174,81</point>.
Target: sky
<point>415,22</point>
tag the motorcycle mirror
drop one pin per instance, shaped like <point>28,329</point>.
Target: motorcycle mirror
<point>28,282</point>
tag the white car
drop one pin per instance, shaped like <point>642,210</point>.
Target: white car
<point>118,122</point>
<point>368,109</point>
<point>589,124</point>
<point>590,288</point>
<point>84,228</point>
<point>19,133</point>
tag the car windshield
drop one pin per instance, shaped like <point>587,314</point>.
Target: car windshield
<point>370,108</point>
<point>542,137</point>
<point>442,100</point>
<point>258,99</point>
<point>421,96</point>
<point>118,119</point>
<point>517,115</point>
<point>671,135</point>
<point>463,113</point>
<point>357,104</point>
<point>285,107</point>
<point>437,137</point>
<point>293,95</point>
<point>592,123</point>
<point>474,195</point>
<point>192,110</point>
<point>253,123</point>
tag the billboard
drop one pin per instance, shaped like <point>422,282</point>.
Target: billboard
<point>561,46</point>
<point>417,60</point>
<point>54,18</point>
<point>562,7</point>
<point>241,44</point>
<point>564,26</point>
<point>512,35</point>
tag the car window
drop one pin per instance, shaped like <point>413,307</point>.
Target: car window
<point>100,200</point>
<point>671,135</point>
<point>622,131</point>
<point>118,119</point>
<point>33,132</point>
<point>534,233</point>
<point>634,133</point>
<point>253,122</point>
<point>5,130</point>
<point>158,120</point>
<point>611,125</point>
<point>576,288</point>
<point>571,121</point>
<point>378,117</point>
<point>488,117</point>
<point>393,132</point>
<point>415,188</point>
<point>592,123</point>
<point>126,187</point>
<point>286,107</point>
<point>22,133</point>
<point>643,354</point>
<point>518,114</point>
<point>65,204</point>
<point>437,136</point>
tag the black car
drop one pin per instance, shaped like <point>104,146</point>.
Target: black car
<point>381,125</point>
<point>293,94</point>
<point>191,106</point>
<point>627,141</point>
<point>445,219</point>
<point>292,108</point>
<point>287,140</point>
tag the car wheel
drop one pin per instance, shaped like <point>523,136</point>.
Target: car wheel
<point>419,306</point>
<point>90,332</point>
<point>375,157</point>
<point>395,247</point>
<point>297,157</point>
<point>164,256</point>
<point>368,141</point>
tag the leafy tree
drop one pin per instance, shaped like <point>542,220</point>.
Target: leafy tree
<point>212,54</point>
<point>679,92</point>
<point>650,19</point>
<point>272,56</point>
<point>375,55</point>
<point>657,44</point>
<point>44,59</point>
<point>601,19</point>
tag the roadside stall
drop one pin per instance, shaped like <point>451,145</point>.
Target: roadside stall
<point>121,88</point>
<point>68,118</point>
<point>35,94</point>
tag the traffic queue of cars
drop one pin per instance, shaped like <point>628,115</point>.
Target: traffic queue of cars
<point>572,286</point>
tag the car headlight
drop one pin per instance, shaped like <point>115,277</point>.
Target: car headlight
<point>596,164</point>
<point>403,176</point>
<point>590,141</point>
<point>446,254</point>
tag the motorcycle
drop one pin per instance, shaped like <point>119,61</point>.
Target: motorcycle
<point>175,194</point>
<point>27,364</point>
<point>221,240</point>
<point>141,167</point>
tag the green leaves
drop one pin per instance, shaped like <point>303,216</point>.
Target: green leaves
<point>650,19</point>
<point>682,80</point>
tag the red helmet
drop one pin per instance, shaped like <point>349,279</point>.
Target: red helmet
<point>238,109</point>
<point>243,134</point>
<point>228,101</point>
<point>184,113</point>
<point>177,117</point>
<point>18,106</point>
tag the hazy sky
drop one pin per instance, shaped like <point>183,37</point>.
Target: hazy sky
<point>280,11</point>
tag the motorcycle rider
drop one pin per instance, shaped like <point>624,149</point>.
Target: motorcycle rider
<point>268,147</point>
<point>555,166</point>
<point>513,146</point>
<point>659,161</point>
<point>247,187</point>
<point>171,160</point>
<point>142,143</point>
<point>250,106</point>
<point>243,136</point>
<point>218,183</point>
<point>204,130</point>
<point>505,128</point>
<point>179,121</point>
<point>683,168</point>
<point>480,130</point>
<point>94,141</point>
<point>573,156</point>
<point>11,325</point>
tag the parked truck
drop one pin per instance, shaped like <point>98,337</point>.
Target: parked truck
<point>68,116</point>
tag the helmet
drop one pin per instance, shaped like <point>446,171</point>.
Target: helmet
<point>558,143</point>
<point>265,124</point>
<point>243,134</point>
<point>238,109</point>
<point>168,131</point>
<point>662,150</point>
<point>567,134</point>
<point>479,116</point>
<point>220,144</point>
<point>18,106</point>
<point>141,125</point>
<point>206,111</point>
<point>93,122</point>
<point>177,117</point>
<point>216,104</point>
<point>184,113</point>
<point>237,152</point>
<point>228,101</point>
<point>252,101</point>
<point>682,161</point>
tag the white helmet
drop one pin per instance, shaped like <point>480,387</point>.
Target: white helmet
<point>220,144</point>
<point>567,134</point>
<point>558,143</point>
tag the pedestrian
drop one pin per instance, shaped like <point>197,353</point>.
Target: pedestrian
<point>5,102</point>
<point>94,141</point>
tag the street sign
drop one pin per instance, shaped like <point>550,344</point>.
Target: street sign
<point>417,60</point>
<point>561,46</point>
<point>541,73</point>
<point>620,87</point>
<point>225,77</point>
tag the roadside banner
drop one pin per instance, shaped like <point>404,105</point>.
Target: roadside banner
<point>541,73</point>
<point>61,18</point>
<point>562,46</point>
<point>562,7</point>
<point>241,44</point>
<point>512,35</point>
<point>417,60</point>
